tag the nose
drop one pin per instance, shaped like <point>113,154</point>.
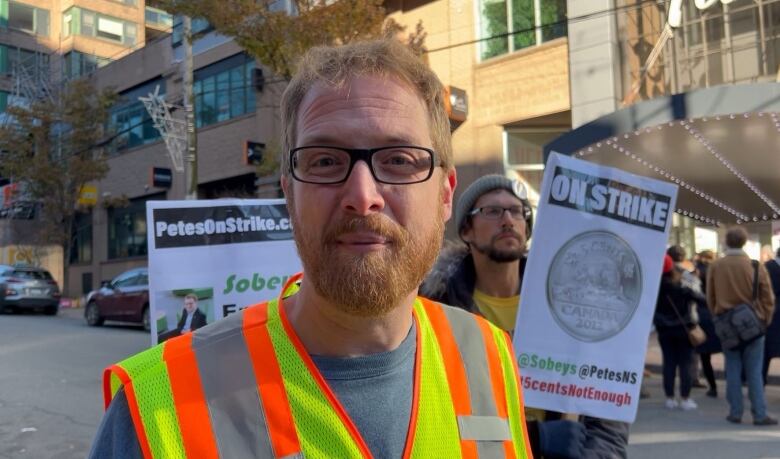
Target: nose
<point>361,194</point>
<point>506,219</point>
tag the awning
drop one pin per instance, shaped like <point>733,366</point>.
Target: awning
<point>721,145</point>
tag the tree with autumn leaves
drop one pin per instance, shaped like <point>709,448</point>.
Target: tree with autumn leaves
<point>51,148</point>
<point>277,37</point>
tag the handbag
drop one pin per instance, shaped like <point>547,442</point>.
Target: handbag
<point>696,335</point>
<point>740,325</point>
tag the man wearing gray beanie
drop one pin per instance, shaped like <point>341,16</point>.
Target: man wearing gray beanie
<point>494,219</point>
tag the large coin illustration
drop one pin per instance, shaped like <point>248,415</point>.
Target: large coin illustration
<point>594,285</point>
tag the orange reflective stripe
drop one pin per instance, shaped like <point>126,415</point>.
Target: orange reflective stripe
<point>415,391</point>
<point>516,370</point>
<point>496,378</point>
<point>107,395</point>
<point>453,365</point>
<point>135,415</point>
<point>320,380</point>
<point>276,406</point>
<point>189,398</point>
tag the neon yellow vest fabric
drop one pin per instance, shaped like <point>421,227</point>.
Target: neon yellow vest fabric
<point>321,432</point>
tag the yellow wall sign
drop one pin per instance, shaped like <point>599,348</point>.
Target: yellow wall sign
<point>88,195</point>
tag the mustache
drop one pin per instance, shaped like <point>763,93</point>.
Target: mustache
<point>508,232</point>
<point>374,223</point>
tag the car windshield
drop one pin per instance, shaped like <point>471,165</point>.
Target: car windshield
<point>31,274</point>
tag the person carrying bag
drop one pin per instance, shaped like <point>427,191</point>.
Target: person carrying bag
<point>696,334</point>
<point>740,325</point>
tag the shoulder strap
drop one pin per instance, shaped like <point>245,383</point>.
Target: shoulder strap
<point>755,279</point>
<point>682,322</point>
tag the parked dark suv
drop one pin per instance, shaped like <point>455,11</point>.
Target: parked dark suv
<point>23,287</point>
<point>125,298</point>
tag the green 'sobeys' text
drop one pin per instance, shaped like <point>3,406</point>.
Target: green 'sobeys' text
<point>257,283</point>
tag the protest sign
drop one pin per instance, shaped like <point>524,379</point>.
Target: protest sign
<point>590,287</point>
<point>213,258</point>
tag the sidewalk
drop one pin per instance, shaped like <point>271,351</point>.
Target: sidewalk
<point>702,433</point>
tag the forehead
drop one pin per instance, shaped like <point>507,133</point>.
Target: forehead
<point>499,197</point>
<point>362,112</point>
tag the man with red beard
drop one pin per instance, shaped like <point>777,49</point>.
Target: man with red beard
<point>494,218</point>
<point>348,361</point>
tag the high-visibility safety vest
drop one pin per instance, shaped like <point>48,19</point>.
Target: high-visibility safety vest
<point>246,387</point>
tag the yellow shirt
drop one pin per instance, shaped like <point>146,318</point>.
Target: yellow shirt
<point>499,311</point>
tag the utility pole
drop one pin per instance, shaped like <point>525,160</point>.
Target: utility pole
<point>189,109</point>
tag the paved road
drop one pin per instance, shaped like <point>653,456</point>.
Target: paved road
<point>50,388</point>
<point>703,433</point>
<point>50,397</point>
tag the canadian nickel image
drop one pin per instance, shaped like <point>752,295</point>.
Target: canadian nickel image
<point>594,285</point>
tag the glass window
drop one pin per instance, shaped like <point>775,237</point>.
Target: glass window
<point>224,90</point>
<point>127,229</point>
<point>125,279</point>
<point>130,34</point>
<point>553,14</point>
<point>41,22</point>
<point>223,96</point>
<point>523,23</point>
<point>31,274</point>
<point>78,64</point>
<point>87,23</point>
<point>525,152</point>
<point>199,26</point>
<point>510,25</point>
<point>158,17</point>
<point>78,21</point>
<point>131,122</point>
<point>21,16</point>
<point>110,29</point>
<point>237,98</point>
<point>208,109</point>
<point>67,22</point>
<point>249,89</point>
<point>81,251</point>
<point>494,23</point>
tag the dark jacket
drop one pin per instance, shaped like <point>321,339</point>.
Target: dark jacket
<point>452,281</point>
<point>198,320</point>
<point>672,310</point>
<point>772,343</point>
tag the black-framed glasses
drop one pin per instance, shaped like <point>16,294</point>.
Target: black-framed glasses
<point>497,212</point>
<point>397,165</point>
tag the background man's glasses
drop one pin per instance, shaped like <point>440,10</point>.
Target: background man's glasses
<point>400,165</point>
<point>497,212</point>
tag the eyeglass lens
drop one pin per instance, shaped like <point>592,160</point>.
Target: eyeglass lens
<point>398,165</point>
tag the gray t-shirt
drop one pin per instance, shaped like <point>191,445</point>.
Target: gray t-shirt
<point>375,390</point>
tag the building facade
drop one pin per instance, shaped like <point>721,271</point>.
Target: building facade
<point>236,108</point>
<point>683,91</point>
<point>43,44</point>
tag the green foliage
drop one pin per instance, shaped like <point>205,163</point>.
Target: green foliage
<point>52,152</point>
<point>278,39</point>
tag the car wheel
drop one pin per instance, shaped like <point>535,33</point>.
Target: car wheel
<point>147,322</point>
<point>51,310</point>
<point>93,315</point>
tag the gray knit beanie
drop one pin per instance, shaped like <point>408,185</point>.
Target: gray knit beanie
<point>483,185</point>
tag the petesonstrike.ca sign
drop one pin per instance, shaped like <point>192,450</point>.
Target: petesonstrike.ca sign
<point>590,288</point>
<point>225,254</point>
